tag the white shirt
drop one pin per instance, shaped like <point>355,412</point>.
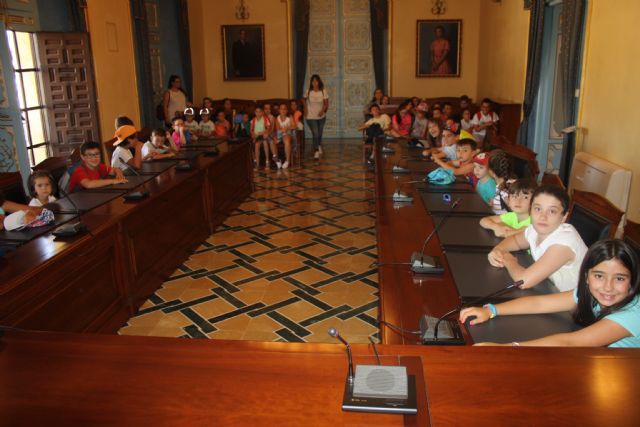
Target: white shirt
<point>207,128</point>
<point>36,202</point>
<point>480,119</point>
<point>383,120</point>
<point>565,278</point>
<point>315,103</point>
<point>120,158</point>
<point>149,148</point>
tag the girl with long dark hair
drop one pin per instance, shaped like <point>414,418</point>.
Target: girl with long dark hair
<point>315,111</point>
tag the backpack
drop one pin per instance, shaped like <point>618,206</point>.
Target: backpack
<point>63,183</point>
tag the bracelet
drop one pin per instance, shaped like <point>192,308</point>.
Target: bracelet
<point>492,310</point>
<point>515,344</point>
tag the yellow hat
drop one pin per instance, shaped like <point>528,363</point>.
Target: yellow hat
<point>123,133</point>
<point>466,135</point>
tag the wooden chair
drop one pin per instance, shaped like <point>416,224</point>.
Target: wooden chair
<point>552,179</point>
<point>524,160</point>
<point>593,216</point>
<point>75,155</point>
<point>632,235</point>
<point>12,187</point>
<point>56,166</point>
<point>107,151</point>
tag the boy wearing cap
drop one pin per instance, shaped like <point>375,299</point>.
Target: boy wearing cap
<point>207,127</point>
<point>126,139</point>
<point>92,173</point>
<point>485,186</point>
<point>450,137</point>
<point>191,124</point>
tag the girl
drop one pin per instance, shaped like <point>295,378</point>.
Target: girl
<point>605,303</point>
<point>260,131</point>
<point>156,148</point>
<point>402,120</point>
<point>485,185</point>
<point>519,202</point>
<point>466,120</point>
<point>419,128</point>
<point>222,125</point>
<point>284,128</point>
<point>386,100</point>
<point>296,114</point>
<point>377,98</point>
<point>434,133</point>
<point>316,106</point>
<point>555,246</point>
<point>501,172</point>
<point>243,130</point>
<point>42,188</point>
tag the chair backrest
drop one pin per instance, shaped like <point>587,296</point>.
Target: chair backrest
<point>523,159</point>
<point>552,179</point>
<point>593,216</point>
<point>56,166</point>
<point>632,235</point>
<point>11,186</point>
<point>107,151</point>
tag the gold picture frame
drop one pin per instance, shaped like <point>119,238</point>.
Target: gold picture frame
<point>243,55</point>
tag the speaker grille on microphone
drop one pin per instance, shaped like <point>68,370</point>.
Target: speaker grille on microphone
<point>380,381</point>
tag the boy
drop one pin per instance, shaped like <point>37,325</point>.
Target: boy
<point>190,123</point>
<point>376,125</point>
<point>450,137</point>
<point>447,109</point>
<point>483,119</point>
<point>207,126</point>
<point>243,129</point>
<point>519,201</point>
<point>126,138</point>
<point>92,173</point>
<point>463,166</point>
<point>464,102</point>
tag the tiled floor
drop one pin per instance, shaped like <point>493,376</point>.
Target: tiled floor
<point>292,261</point>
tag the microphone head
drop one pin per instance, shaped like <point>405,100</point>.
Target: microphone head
<point>333,332</point>
<point>456,202</point>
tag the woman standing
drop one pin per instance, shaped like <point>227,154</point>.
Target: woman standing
<point>174,100</point>
<point>316,106</point>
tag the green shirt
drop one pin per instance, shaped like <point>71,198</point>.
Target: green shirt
<point>511,219</point>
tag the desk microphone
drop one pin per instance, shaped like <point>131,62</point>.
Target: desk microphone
<point>387,150</point>
<point>399,196</point>
<point>71,228</point>
<point>136,195</point>
<point>430,335</point>
<point>399,170</point>
<point>421,264</point>
<point>334,333</point>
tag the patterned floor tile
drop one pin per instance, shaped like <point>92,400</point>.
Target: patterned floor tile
<point>293,260</point>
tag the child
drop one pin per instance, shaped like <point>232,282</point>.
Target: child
<point>605,302</point>
<point>401,120</point>
<point>501,171</point>
<point>386,100</point>
<point>156,148</point>
<point>296,114</point>
<point>207,103</point>
<point>42,187</point>
<point>92,173</point>
<point>377,125</point>
<point>483,119</point>
<point>436,113</point>
<point>466,120</point>
<point>284,128</point>
<point>519,201</point>
<point>485,185</point>
<point>463,166</point>
<point>126,138</point>
<point>555,246</point>
<point>207,127</point>
<point>272,120</point>
<point>191,124</point>
<point>464,102</point>
<point>449,142</point>
<point>447,110</point>
<point>180,135</point>
<point>222,125</point>
<point>243,129</point>
<point>419,127</point>
<point>260,131</point>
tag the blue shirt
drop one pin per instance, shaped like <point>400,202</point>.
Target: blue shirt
<point>628,317</point>
<point>486,190</point>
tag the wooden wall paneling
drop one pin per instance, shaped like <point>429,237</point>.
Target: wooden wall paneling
<point>68,88</point>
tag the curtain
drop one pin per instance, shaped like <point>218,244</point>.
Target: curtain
<point>143,64</point>
<point>534,60</point>
<point>571,32</point>
<point>301,38</point>
<point>379,23</point>
<point>185,47</point>
<point>77,8</point>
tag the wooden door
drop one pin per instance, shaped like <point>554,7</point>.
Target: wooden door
<point>68,90</point>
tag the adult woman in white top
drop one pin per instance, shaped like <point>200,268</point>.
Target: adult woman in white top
<point>175,99</point>
<point>316,106</point>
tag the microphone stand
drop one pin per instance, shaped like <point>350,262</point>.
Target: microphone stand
<point>72,228</point>
<point>137,195</point>
<point>399,196</point>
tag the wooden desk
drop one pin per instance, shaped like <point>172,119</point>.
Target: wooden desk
<point>90,379</point>
<point>95,281</point>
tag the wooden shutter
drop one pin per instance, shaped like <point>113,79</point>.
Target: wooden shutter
<point>68,90</point>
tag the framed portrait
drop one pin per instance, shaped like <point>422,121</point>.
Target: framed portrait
<point>439,46</point>
<point>243,52</point>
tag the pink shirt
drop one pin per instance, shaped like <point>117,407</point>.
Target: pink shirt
<point>404,128</point>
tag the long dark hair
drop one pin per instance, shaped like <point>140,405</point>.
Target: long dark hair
<point>604,250</point>
<point>320,83</point>
<point>401,107</point>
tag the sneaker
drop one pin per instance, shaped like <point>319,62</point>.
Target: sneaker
<point>285,165</point>
<point>267,166</point>
<point>279,164</point>
<point>316,155</point>
<point>320,149</point>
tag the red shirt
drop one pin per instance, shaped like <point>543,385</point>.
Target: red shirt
<point>83,172</point>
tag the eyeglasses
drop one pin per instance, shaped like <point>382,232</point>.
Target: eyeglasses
<point>92,155</point>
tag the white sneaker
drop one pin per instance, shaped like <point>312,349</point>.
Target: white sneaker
<point>285,165</point>
<point>316,155</point>
<point>279,164</point>
<point>320,149</point>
